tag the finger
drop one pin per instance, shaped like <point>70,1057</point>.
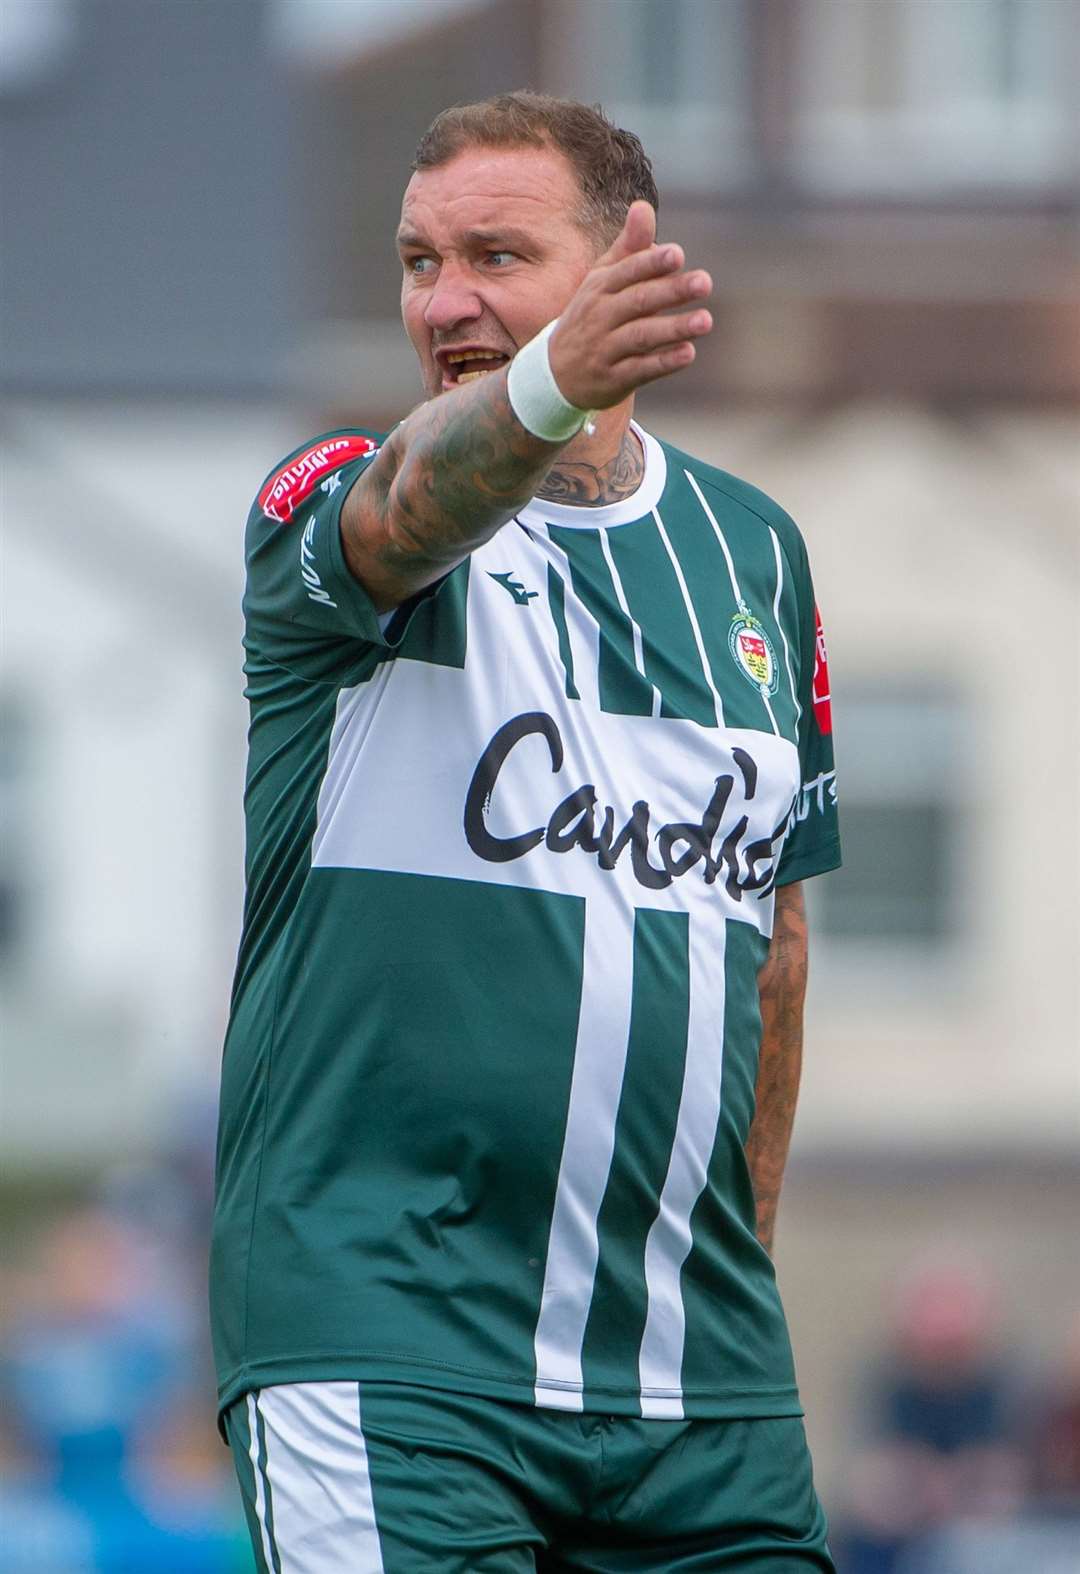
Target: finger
<point>650,296</point>
<point>646,335</point>
<point>649,264</point>
<point>638,233</point>
<point>642,369</point>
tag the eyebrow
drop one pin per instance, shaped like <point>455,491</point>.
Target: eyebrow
<point>518,240</point>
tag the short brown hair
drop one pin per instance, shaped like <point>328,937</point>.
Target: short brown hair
<point>611,165</point>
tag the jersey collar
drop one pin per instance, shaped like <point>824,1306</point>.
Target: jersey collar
<point>579,517</point>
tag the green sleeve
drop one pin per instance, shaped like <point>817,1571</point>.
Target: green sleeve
<point>304,610</point>
<point>299,588</point>
<point>813,843</point>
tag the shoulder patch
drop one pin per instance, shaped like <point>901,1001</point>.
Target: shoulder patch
<point>288,487</point>
<point>822,696</point>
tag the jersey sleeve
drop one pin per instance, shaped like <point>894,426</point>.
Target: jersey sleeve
<point>304,611</point>
<point>812,845</point>
<point>299,590</point>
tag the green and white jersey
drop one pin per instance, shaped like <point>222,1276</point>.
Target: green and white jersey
<point>510,871</point>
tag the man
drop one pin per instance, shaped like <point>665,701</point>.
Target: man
<point>532,707</point>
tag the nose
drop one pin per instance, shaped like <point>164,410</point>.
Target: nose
<point>452,299</point>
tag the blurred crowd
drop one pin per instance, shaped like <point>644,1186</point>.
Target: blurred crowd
<point>964,1460</point>
<point>110,1462</point>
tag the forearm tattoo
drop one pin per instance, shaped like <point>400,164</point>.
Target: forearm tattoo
<point>782,987</point>
<point>450,475</point>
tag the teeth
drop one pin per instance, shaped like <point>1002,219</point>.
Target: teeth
<point>470,377</point>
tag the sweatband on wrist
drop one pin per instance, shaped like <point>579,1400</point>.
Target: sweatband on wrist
<point>535,397</point>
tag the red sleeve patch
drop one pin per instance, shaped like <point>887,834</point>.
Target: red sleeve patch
<point>822,696</point>
<point>288,487</point>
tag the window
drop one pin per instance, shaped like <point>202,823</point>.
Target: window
<point>901,825</point>
<point>675,72</point>
<point>905,96</point>
<point>893,882</point>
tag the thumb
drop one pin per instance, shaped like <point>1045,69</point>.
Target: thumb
<point>637,233</point>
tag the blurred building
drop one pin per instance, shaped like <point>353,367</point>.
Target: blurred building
<point>199,272</point>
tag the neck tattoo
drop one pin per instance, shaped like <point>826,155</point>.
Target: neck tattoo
<point>591,486</point>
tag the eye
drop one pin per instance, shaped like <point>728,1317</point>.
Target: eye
<point>500,258</point>
<point>418,266</point>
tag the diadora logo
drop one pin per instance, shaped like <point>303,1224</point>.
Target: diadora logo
<point>308,572</point>
<point>515,588</point>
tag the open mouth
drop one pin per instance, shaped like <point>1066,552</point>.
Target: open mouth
<point>465,366</point>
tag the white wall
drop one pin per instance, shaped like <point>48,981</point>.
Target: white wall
<point>123,575</point>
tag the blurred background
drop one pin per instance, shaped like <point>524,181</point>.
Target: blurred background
<point>198,274</point>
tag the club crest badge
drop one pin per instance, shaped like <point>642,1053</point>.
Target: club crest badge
<point>753,652</point>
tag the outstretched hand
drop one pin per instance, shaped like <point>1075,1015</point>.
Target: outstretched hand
<point>622,329</point>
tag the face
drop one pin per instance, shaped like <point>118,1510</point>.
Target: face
<point>490,252</point>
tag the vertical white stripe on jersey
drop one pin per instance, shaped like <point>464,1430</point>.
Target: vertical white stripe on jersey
<point>711,517</point>
<point>317,1466</point>
<point>780,626</point>
<point>583,632</point>
<point>603,1037</point>
<point>635,627</point>
<point>260,1499</point>
<point>703,655</point>
<point>668,1243</point>
<point>719,534</point>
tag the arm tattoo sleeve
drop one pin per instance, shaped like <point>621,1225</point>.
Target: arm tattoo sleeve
<point>448,477</point>
<point>782,988</point>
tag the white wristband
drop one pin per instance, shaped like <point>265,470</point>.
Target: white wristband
<point>535,397</point>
